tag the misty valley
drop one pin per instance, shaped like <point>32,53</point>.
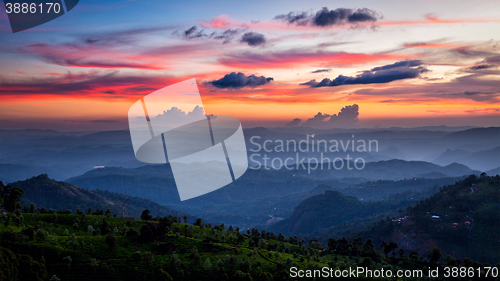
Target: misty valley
<point>80,201</point>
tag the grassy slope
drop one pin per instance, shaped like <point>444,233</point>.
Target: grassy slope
<point>133,259</point>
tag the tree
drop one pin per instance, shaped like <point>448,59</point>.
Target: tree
<point>105,228</point>
<point>111,241</point>
<point>435,255</point>
<point>108,213</point>
<point>401,253</point>
<point>391,247</point>
<point>146,215</point>
<point>11,197</point>
<point>198,222</point>
<point>185,218</point>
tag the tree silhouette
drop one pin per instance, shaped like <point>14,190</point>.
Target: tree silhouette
<point>146,215</point>
<point>11,197</point>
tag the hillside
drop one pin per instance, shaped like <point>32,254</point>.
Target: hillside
<point>39,245</point>
<point>480,160</point>
<point>80,247</point>
<point>258,194</point>
<point>52,194</point>
<point>332,208</point>
<point>461,219</point>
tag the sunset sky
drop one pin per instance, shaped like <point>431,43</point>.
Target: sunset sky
<point>404,63</point>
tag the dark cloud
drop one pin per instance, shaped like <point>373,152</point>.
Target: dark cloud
<point>479,67</point>
<point>362,15</point>
<point>347,117</point>
<point>294,123</point>
<point>326,17</point>
<point>321,70</point>
<point>120,37</point>
<point>226,36</point>
<point>383,74</point>
<point>302,18</point>
<point>405,63</point>
<point>474,93</point>
<point>239,80</point>
<point>253,39</point>
<point>478,96</point>
<point>192,33</point>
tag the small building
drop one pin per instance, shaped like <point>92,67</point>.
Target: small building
<point>436,217</point>
<point>454,225</point>
<point>467,224</point>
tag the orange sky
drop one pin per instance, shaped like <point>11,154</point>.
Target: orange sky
<point>421,67</point>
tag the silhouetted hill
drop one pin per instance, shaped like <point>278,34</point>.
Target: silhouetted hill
<point>45,192</point>
<point>258,194</point>
<point>15,172</point>
<point>461,219</point>
<point>333,208</point>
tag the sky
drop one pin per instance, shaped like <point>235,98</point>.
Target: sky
<point>324,64</point>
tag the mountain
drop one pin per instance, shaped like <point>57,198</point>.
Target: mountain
<point>489,135</point>
<point>383,189</point>
<point>333,208</point>
<point>49,193</point>
<point>63,155</point>
<point>493,172</point>
<point>258,195</point>
<point>481,160</point>
<point>15,172</point>
<point>461,219</point>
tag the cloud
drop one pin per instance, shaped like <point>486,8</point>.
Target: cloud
<point>301,18</point>
<point>493,60</point>
<point>191,33</point>
<point>300,58</point>
<point>397,71</point>
<point>322,70</point>
<point>178,116</point>
<point>226,36</point>
<point>85,55</point>
<point>347,117</point>
<point>479,67</point>
<point>101,84</point>
<point>294,123</point>
<point>253,39</point>
<point>312,122</point>
<point>239,80</point>
<point>327,18</point>
<point>478,96</point>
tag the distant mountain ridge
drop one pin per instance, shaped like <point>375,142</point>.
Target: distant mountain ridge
<point>480,160</point>
<point>63,155</point>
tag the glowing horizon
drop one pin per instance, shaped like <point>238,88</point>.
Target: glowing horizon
<point>412,67</point>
